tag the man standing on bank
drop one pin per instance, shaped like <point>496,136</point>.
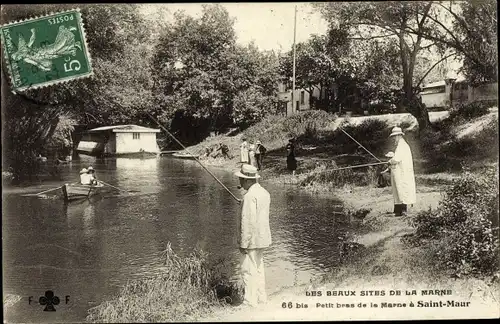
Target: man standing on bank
<point>402,176</point>
<point>260,150</point>
<point>254,235</point>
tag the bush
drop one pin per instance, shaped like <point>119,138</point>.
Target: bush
<point>250,107</point>
<point>483,144</point>
<point>469,111</point>
<point>447,151</point>
<point>274,131</point>
<point>462,225</point>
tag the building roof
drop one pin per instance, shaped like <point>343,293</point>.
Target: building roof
<point>126,129</point>
<point>435,84</point>
<point>442,83</point>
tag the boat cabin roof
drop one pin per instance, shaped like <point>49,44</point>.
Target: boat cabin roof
<point>125,129</point>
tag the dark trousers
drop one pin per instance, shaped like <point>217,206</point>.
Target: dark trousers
<point>399,209</point>
<point>258,158</point>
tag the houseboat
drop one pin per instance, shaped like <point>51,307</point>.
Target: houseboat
<point>120,140</point>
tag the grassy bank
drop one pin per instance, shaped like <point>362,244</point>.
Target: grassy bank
<point>375,254</point>
<point>189,288</point>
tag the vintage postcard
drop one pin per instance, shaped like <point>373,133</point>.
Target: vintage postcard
<point>46,50</point>
<point>243,162</point>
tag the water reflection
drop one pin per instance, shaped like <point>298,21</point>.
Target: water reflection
<point>92,247</point>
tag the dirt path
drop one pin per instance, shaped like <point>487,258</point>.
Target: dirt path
<point>384,264</point>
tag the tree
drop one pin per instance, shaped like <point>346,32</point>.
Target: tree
<point>382,20</point>
<point>199,69</point>
<point>191,64</point>
<point>320,63</point>
<point>468,28</point>
<point>118,39</point>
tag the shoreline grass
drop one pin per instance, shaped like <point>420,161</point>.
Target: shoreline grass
<point>190,288</point>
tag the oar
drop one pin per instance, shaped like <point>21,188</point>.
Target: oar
<point>107,184</point>
<point>43,191</point>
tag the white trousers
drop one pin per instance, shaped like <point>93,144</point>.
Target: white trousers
<point>254,280</point>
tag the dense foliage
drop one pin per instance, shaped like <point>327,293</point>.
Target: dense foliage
<point>464,227</point>
<point>191,74</point>
<point>199,68</point>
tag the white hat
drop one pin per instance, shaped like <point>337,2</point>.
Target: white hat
<point>82,171</point>
<point>248,172</point>
<point>396,131</point>
<point>390,155</point>
<point>90,168</point>
<point>258,142</point>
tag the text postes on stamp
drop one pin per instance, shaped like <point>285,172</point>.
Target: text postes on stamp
<point>46,50</point>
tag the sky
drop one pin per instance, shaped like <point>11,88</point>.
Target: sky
<point>270,25</point>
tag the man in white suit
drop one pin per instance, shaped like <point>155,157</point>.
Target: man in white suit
<point>402,176</point>
<point>254,236</point>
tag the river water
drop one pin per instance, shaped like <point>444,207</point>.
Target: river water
<point>88,250</point>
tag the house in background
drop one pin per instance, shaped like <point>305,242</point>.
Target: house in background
<point>449,92</point>
<point>119,140</point>
<point>301,97</point>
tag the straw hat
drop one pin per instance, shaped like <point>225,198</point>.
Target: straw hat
<point>396,131</point>
<point>91,169</point>
<point>259,143</point>
<point>83,171</point>
<point>390,155</point>
<point>247,172</point>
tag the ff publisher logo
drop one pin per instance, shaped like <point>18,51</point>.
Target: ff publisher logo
<point>49,300</point>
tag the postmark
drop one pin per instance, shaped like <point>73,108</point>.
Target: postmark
<point>46,50</point>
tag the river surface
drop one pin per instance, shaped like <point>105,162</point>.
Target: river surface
<point>88,250</point>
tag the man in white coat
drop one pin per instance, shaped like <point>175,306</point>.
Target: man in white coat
<point>402,176</point>
<point>254,236</point>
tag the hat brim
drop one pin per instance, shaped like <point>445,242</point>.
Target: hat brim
<point>397,133</point>
<point>241,175</point>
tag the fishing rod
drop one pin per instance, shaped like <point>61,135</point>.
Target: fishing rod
<point>195,157</point>
<point>359,144</point>
<point>358,166</point>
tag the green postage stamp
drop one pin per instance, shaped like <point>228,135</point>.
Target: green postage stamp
<point>46,50</point>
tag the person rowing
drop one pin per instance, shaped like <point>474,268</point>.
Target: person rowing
<point>84,177</point>
<point>92,176</point>
<point>87,176</point>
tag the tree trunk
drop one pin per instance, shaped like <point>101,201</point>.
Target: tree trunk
<point>422,118</point>
<point>409,101</point>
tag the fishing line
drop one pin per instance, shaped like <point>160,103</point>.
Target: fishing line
<point>359,144</point>
<point>195,157</point>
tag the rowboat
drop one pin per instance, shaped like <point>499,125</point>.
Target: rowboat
<point>185,156</point>
<point>74,191</point>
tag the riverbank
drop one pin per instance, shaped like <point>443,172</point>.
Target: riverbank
<point>376,258</point>
<point>382,261</point>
